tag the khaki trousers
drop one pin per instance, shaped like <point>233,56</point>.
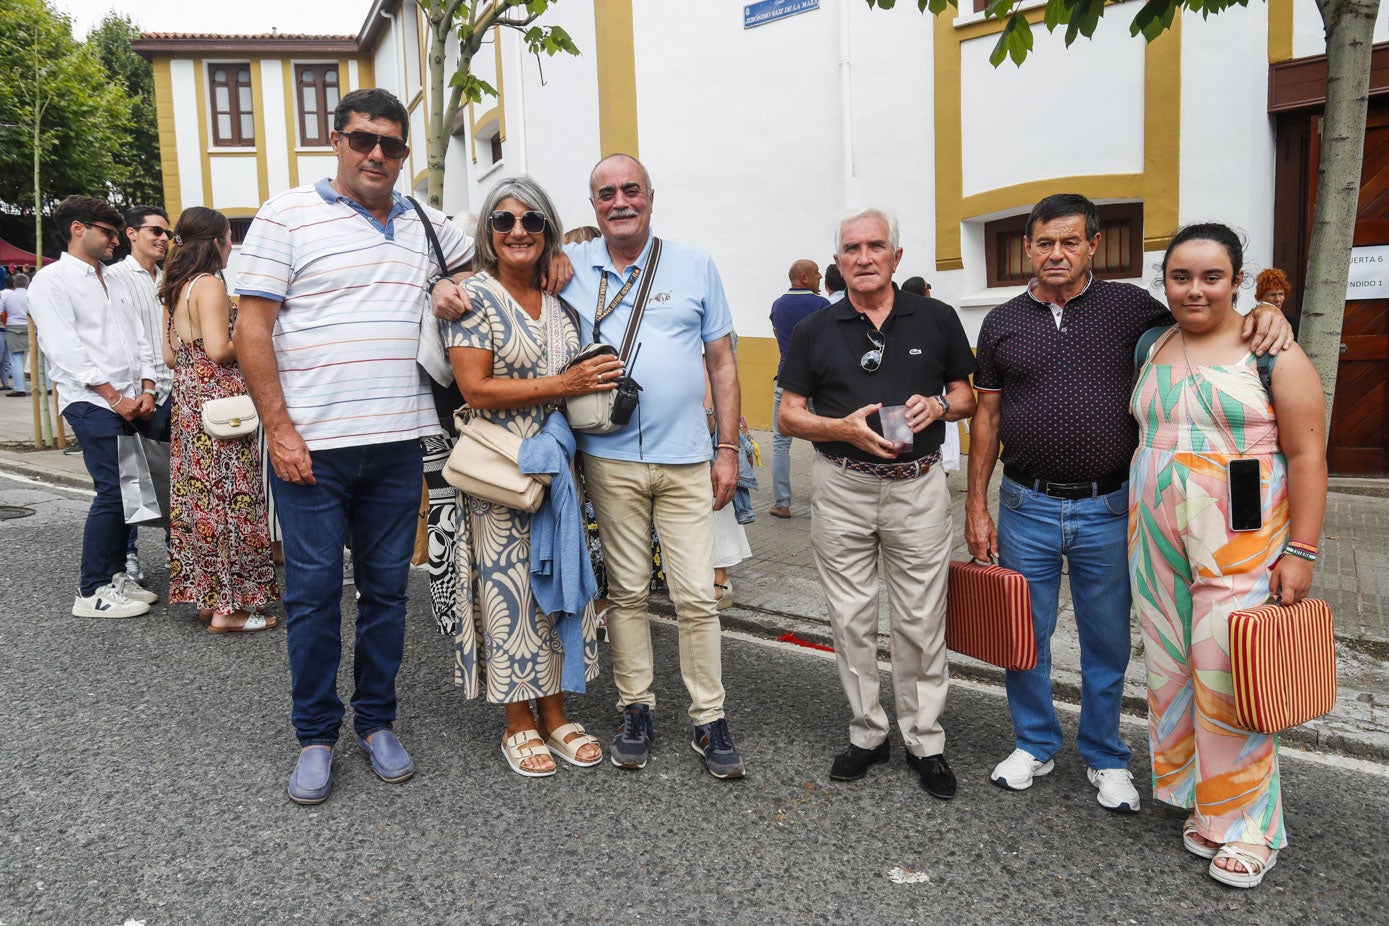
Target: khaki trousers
<point>679,499</point>
<point>855,519</point>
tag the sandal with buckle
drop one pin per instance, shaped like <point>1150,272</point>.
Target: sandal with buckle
<point>516,751</point>
<point>1254,867</point>
<point>1191,839</point>
<point>568,750</point>
<point>723,596</point>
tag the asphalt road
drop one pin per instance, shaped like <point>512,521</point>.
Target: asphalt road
<point>145,763</point>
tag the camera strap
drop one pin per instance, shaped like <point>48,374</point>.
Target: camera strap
<point>648,276</point>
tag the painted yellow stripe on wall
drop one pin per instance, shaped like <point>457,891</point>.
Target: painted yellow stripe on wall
<point>617,77</point>
<point>168,136</point>
<point>1280,30</point>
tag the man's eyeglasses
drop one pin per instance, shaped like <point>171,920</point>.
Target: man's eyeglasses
<point>112,233</point>
<point>157,230</point>
<point>608,193</point>
<point>532,222</point>
<point>872,361</point>
<point>364,142</point>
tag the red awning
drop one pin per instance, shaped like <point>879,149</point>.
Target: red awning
<point>9,254</point>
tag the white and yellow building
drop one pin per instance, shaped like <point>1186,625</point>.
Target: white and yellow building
<point>757,135</point>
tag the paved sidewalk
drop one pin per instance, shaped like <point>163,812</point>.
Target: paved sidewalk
<point>777,591</point>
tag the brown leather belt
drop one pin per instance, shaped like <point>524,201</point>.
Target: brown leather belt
<point>909,470</point>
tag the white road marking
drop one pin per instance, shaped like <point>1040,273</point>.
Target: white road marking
<point>31,481</point>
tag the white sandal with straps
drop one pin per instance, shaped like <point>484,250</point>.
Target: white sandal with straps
<point>516,752</point>
<point>1191,839</point>
<point>569,751</point>
<point>1254,867</point>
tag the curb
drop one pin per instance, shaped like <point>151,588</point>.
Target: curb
<point>45,475</point>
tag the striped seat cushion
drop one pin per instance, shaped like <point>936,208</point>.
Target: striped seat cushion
<point>988,616</point>
<point>1283,660</point>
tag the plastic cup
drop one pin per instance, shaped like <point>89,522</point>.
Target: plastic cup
<point>896,428</point>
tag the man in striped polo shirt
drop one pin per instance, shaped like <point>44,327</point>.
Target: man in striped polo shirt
<point>332,279</point>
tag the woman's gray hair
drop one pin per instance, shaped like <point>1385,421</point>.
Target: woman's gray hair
<point>866,212</point>
<point>532,195</point>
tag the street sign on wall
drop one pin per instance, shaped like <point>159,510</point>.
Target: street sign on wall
<point>759,14</point>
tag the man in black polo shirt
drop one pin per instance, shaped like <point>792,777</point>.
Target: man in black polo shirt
<point>1055,375</point>
<point>880,350</point>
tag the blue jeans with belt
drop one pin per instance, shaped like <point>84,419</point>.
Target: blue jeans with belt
<point>370,494</point>
<point>1035,533</point>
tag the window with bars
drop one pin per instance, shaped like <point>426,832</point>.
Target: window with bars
<point>233,120</point>
<point>239,227</point>
<point>1119,256</point>
<point>318,96</point>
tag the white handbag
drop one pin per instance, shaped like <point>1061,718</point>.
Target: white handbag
<point>230,418</point>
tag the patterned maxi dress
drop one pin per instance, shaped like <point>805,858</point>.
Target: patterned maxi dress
<point>219,538</point>
<point>504,647</point>
<point>1189,571</point>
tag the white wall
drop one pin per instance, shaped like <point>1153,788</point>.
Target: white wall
<point>1064,112</point>
<point>183,82</point>
<point>276,142</point>
<point>1227,157</point>
<point>234,183</point>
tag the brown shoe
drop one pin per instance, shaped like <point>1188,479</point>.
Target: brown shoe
<point>780,511</point>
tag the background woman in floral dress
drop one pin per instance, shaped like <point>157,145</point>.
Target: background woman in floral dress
<point>219,539</point>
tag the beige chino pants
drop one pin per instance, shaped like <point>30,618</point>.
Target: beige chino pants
<point>627,498</point>
<point>854,520</point>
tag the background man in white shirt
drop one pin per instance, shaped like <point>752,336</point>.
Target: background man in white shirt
<point>147,231</point>
<point>103,371</point>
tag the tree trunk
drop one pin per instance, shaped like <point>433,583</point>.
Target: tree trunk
<point>1349,35</point>
<point>438,142</point>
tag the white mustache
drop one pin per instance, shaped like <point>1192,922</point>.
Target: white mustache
<point>627,213</point>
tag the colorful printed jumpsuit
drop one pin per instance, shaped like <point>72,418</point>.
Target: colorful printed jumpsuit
<point>1189,571</point>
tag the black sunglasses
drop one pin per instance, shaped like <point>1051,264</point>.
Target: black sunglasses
<point>872,361</point>
<point>532,222</point>
<point>158,231</point>
<point>364,142</point>
<point>111,233</point>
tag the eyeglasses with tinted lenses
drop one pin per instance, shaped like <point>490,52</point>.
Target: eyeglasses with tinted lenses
<point>532,222</point>
<point>629,190</point>
<point>156,230</point>
<point>366,142</point>
<point>872,361</point>
<point>108,231</point>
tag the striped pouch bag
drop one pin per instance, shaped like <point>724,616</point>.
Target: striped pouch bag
<point>1283,660</point>
<point>988,615</point>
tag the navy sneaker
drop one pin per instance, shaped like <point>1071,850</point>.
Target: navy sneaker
<point>715,744</point>
<point>632,746</point>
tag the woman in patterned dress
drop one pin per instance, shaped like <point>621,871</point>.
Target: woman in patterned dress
<point>1200,403</point>
<point>509,355</point>
<point>219,538</point>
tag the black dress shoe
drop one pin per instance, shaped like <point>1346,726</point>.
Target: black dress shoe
<point>936,778</point>
<point>852,764</point>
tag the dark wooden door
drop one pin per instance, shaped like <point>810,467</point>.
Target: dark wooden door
<point>1359,441</point>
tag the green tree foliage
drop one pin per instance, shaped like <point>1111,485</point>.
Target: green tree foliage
<point>471,22</point>
<point>54,96</point>
<point>141,180</point>
<point>1349,29</point>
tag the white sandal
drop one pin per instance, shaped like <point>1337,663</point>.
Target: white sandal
<point>516,752</point>
<point>569,750</point>
<point>1191,839</point>
<point>1255,867</point>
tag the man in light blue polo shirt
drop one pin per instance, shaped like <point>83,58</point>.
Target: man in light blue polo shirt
<point>656,467</point>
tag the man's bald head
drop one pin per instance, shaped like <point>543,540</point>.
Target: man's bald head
<point>593,174</point>
<point>805,274</point>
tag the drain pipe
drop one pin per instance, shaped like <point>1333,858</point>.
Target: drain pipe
<point>846,107</point>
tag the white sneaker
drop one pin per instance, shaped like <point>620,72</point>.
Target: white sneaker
<point>1017,771</point>
<point>128,587</point>
<point>1116,789</point>
<point>107,602</point>
<point>132,567</point>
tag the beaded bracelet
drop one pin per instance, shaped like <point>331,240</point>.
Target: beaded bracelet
<point>1291,550</point>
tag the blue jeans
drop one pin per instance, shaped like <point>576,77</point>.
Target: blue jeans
<point>372,495</point>
<point>1034,533</point>
<point>104,537</point>
<point>781,458</point>
<point>17,361</point>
